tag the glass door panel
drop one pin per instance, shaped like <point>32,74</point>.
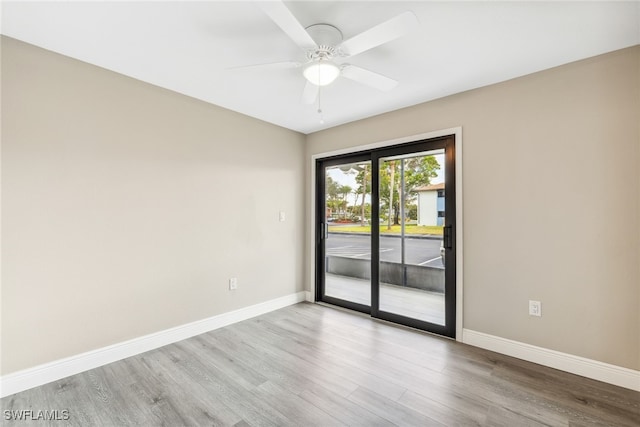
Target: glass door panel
<point>411,206</point>
<point>346,212</point>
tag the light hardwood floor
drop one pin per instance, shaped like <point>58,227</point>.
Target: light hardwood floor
<point>310,365</point>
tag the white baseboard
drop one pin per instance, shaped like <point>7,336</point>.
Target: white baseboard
<point>612,374</point>
<point>46,373</point>
<point>309,296</point>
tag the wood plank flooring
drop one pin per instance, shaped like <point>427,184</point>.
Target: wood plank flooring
<point>310,365</point>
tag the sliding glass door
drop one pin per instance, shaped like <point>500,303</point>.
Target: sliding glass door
<point>385,235</point>
<point>415,206</point>
<point>344,236</point>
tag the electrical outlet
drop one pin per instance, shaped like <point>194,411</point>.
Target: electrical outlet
<point>282,216</point>
<point>535,308</point>
<point>233,283</point>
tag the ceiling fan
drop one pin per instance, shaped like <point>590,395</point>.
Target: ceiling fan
<point>324,47</point>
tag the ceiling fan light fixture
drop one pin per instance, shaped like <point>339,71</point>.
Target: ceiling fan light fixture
<point>321,73</point>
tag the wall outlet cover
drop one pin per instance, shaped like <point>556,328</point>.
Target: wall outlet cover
<point>535,308</point>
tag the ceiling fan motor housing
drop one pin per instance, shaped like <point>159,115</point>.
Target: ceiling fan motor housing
<point>321,53</point>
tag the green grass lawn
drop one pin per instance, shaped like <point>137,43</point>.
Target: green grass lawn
<point>395,229</point>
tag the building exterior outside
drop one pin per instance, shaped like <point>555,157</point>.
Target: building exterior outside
<point>431,204</point>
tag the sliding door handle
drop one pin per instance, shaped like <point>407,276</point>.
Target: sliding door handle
<point>447,237</point>
<point>324,231</point>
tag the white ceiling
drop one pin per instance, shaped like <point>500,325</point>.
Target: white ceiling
<point>189,47</point>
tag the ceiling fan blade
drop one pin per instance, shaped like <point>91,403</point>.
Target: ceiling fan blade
<point>369,78</point>
<point>283,17</point>
<point>310,93</point>
<point>380,34</point>
<point>268,66</point>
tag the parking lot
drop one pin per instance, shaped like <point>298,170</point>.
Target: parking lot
<point>418,250</point>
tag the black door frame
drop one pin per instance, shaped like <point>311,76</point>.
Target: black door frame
<point>374,155</point>
<point>322,231</point>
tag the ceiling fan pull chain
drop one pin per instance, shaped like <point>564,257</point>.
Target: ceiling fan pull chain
<point>319,105</point>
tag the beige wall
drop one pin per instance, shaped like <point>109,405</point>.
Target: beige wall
<point>551,202</point>
<point>127,207</point>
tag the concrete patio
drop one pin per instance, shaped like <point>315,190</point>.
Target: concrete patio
<point>415,303</point>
